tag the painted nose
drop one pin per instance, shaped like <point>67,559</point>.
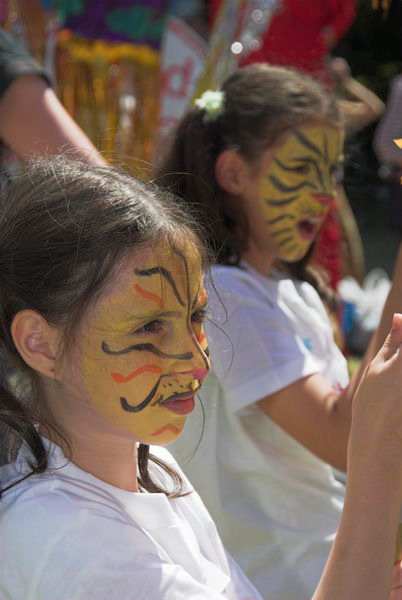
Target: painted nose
<point>324,199</point>
<point>199,374</point>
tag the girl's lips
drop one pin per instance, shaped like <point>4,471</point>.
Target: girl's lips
<point>181,404</point>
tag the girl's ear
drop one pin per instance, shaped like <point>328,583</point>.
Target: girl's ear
<point>36,341</point>
<point>232,172</point>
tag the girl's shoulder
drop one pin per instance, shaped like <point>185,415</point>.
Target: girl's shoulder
<point>242,281</point>
<point>242,285</point>
<point>65,530</point>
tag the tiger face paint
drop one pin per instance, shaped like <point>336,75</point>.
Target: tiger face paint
<point>145,353</point>
<point>299,186</point>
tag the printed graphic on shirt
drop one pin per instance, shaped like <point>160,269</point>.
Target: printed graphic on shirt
<point>299,187</point>
<point>146,353</point>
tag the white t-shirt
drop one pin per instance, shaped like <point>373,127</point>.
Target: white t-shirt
<point>66,535</point>
<point>276,505</point>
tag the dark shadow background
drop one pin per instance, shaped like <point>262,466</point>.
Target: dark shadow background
<point>373,48</point>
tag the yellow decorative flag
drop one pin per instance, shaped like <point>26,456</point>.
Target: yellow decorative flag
<point>398,142</point>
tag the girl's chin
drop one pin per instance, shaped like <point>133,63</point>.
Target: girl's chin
<point>295,256</point>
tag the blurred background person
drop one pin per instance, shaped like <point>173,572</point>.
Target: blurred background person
<point>389,153</point>
<point>32,119</point>
<point>360,107</point>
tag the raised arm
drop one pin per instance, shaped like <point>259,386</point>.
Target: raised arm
<point>361,106</point>
<point>33,121</point>
<point>360,563</point>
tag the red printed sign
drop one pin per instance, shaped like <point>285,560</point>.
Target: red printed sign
<point>182,57</point>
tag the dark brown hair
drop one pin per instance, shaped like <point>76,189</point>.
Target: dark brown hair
<point>261,102</point>
<point>64,226</point>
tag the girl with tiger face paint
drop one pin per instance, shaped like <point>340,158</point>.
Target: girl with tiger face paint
<point>145,353</point>
<point>102,309</point>
<point>262,157</point>
<point>299,187</point>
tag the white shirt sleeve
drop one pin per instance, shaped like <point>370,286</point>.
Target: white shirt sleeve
<point>256,348</point>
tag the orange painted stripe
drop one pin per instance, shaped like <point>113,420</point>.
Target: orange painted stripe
<point>149,295</point>
<point>201,337</point>
<point>202,297</point>
<point>169,427</point>
<point>119,378</point>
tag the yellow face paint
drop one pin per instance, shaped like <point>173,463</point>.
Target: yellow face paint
<point>299,187</point>
<point>145,353</point>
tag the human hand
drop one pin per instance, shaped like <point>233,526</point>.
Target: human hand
<point>340,68</point>
<point>376,434</point>
<point>396,583</point>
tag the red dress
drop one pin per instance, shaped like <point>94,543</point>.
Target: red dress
<point>294,37</point>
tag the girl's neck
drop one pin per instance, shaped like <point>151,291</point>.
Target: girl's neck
<point>104,453</point>
<point>114,463</point>
<point>262,262</point>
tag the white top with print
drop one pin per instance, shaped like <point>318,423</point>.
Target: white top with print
<point>66,535</point>
<point>276,504</point>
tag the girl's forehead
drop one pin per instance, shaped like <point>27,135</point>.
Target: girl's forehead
<point>161,268</point>
<point>315,141</point>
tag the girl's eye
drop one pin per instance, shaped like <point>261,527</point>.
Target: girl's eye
<point>302,169</point>
<point>151,327</point>
<point>199,315</point>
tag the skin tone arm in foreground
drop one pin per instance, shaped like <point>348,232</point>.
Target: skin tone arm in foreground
<point>374,489</point>
<point>34,122</point>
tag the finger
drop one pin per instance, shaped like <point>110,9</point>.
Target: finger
<point>396,580</point>
<point>396,594</point>
<point>394,338</point>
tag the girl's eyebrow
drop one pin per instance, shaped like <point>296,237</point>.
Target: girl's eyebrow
<point>164,273</point>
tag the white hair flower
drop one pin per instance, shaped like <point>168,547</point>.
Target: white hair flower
<point>212,103</point>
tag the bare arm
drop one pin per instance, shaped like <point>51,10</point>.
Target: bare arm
<point>312,412</point>
<point>33,121</point>
<point>360,94</point>
<point>315,415</point>
<point>362,106</point>
<point>360,563</point>
<point>392,305</point>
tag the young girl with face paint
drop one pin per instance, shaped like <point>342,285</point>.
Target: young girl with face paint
<point>259,161</point>
<point>101,310</point>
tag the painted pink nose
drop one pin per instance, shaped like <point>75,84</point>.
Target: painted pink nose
<point>199,374</point>
<point>324,199</point>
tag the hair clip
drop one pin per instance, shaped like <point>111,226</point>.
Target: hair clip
<point>212,103</point>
